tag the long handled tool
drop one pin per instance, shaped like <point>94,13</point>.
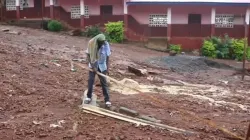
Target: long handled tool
<point>160,102</point>
<point>248,133</point>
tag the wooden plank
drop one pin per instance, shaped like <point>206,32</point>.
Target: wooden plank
<point>136,121</point>
<point>99,111</point>
<point>89,112</point>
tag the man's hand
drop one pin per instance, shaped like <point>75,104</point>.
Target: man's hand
<point>93,67</point>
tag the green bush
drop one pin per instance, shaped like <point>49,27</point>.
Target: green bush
<point>238,49</point>
<point>248,53</point>
<point>175,48</point>
<point>115,31</point>
<point>208,49</point>
<point>92,31</point>
<point>223,46</point>
<point>54,26</point>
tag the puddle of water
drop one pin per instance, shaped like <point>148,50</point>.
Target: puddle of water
<point>214,94</point>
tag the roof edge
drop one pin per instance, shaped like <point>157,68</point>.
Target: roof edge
<point>188,3</point>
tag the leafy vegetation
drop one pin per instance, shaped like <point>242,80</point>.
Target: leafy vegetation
<point>92,31</point>
<point>224,48</point>
<point>54,26</point>
<point>115,31</point>
<point>175,48</point>
<point>208,49</point>
<point>238,49</point>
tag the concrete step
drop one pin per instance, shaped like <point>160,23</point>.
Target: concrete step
<point>36,24</point>
<point>157,43</point>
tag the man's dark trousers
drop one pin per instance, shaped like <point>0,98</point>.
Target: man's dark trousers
<point>104,85</point>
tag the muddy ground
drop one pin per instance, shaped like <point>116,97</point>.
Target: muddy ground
<point>40,95</point>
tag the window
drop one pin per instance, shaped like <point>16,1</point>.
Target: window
<point>55,2</point>
<point>224,21</point>
<point>86,11</point>
<point>158,20</point>
<point>24,3</point>
<point>106,9</point>
<point>11,5</point>
<point>194,19</point>
<point>76,12</point>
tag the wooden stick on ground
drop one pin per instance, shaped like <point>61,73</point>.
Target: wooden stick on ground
<point>93,113</point>
<point>132,119</point>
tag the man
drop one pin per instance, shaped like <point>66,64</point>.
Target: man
<point>98,53</point>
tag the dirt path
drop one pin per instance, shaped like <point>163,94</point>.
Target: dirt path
<point>38,90</point>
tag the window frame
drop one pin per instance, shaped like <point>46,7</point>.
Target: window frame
<point>222,23</point>
<point>77,15</point>
<point>163,23</point>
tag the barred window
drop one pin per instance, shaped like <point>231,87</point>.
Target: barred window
<point>76,12</point>
<point>11,5</point>
<point>55,2</point>
<point>158,20</point>
<point>24,3</point>
<point>224,21</point>
<point>86,11</point>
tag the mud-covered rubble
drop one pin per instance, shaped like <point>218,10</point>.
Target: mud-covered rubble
<point>186,63</point>
<point>38,91</point>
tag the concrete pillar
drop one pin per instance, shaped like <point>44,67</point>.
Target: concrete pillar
<point>213,13</point>
<point>18,9</point>
<point>82,8</point>
<point>169,28</point>
<point>51,3</point>
<point>125,14</point>
<point>247,18</point>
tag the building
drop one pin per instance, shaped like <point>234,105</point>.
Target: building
<point>184,22</point>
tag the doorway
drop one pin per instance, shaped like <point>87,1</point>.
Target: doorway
<point>39,6</point>
<point>194,25</point>
<point>106,12</point>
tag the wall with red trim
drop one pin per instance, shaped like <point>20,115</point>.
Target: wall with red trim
<point>144,29</point>
<point>238,31</point>
<point>187,30</point>
<point>101,20</point>
<point>187,43</point>
<point>61,14</point>
<point>8,14</point>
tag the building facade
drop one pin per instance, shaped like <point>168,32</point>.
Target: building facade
<point>185,22</point>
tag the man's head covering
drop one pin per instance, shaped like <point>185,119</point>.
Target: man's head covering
<point>93,47</point>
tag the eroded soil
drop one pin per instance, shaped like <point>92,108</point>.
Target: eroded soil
<point>40,95</point>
